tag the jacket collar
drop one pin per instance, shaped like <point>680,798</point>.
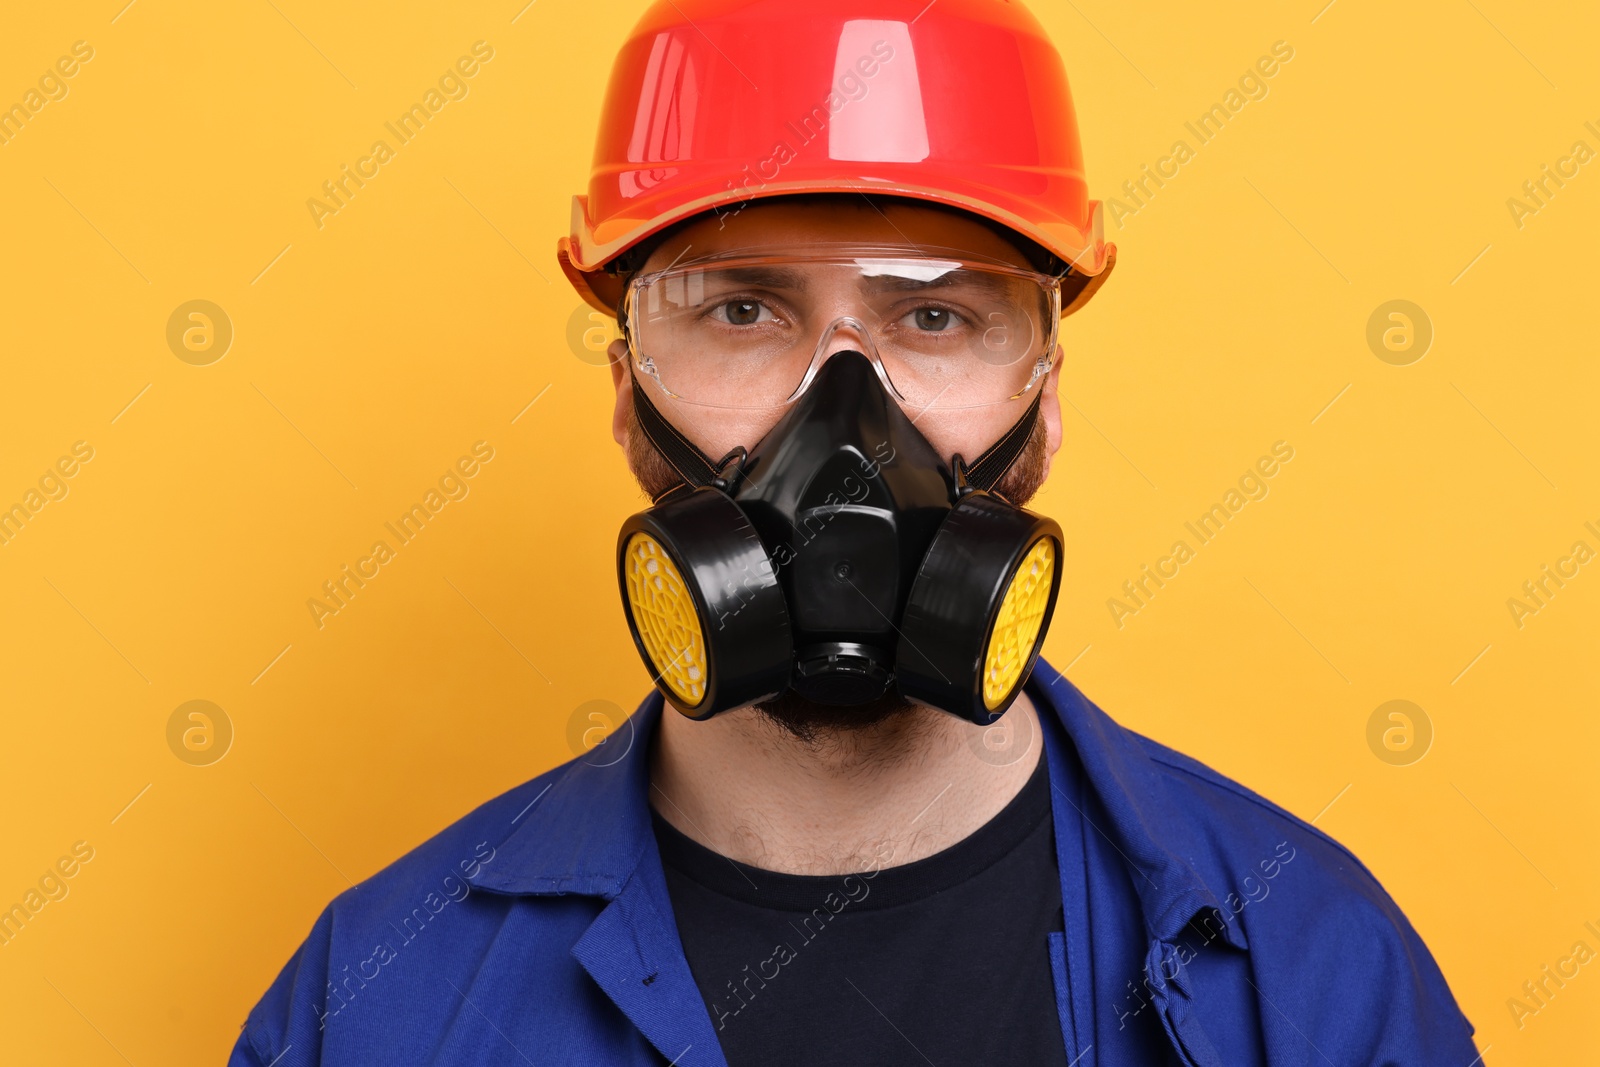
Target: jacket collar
<point>588,829</point>
<point>1137,812</point>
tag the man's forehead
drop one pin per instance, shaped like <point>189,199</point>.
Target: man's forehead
<point>819,223</point>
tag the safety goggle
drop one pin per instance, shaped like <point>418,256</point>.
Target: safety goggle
<point>741,331</point>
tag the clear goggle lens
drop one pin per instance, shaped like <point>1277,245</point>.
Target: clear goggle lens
<point>751,332</point>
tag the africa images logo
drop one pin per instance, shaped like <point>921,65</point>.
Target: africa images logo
<point>453,485</point>
<point>455,889</point>
<point>853,889</point>
<point>452,85</point>
<point>851,84</point>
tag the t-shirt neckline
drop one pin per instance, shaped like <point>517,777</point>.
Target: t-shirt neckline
<point>890,886</point>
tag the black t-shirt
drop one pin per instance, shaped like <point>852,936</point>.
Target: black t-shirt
<point>942,961</point>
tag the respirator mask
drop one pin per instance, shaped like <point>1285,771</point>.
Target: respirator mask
<point>840,556</point>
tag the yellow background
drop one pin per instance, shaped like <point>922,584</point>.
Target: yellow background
<point>426,315</point>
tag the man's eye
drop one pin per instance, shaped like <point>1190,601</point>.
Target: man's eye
<point>933,320</point>
<point>741,312</point>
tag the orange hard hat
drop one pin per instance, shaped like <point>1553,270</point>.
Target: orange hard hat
<point>713,103</point>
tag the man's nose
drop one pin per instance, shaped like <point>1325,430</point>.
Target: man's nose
<point>846,333</point>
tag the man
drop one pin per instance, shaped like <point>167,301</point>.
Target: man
<point>859,821</point>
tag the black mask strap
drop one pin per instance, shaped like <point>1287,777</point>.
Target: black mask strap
<point>697,469</point>
<point>692,465</point>
<point>986,471</point>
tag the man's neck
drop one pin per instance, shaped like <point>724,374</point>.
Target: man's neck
<point>892,794</point>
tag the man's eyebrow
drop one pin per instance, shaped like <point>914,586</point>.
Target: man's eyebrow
<point>994,284</point>
<point>765,277</point>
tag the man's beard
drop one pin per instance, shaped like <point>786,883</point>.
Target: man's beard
<point>807,720</point>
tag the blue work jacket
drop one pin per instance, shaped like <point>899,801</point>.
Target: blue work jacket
<point>1203,926</point>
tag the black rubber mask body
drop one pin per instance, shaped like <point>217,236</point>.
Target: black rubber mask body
<point>847,495</point>
<point>838,558</point>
